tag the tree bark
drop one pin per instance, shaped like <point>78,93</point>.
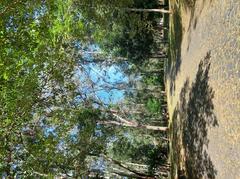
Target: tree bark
<point>149,10</point>
<point>159,56</point>
<point>134,125</point>
<point>131,175</point>
<point>134,172</point>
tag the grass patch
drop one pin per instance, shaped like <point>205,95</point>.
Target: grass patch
<point>172,69</point>
<point>175,38</point>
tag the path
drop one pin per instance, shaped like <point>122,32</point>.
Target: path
<point>204,92</point>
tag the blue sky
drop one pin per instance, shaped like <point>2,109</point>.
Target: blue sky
<point>112,75</point>
<point>103,75</point>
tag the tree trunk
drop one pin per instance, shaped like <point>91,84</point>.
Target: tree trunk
<point>131,175</point>
<point>158,56</point>
<point>149,10</point>
<point>127,168</point>
<point>135,125</point>
<point>161,27</point>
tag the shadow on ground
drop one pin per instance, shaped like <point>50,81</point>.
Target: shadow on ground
<point>174,61</point>
<point>176,35</point>
<point>190,5</point>
<point>192,118</point>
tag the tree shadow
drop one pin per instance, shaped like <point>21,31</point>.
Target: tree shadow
<point>176,129</point>
<point>190,5</point>
<point>174,61</point>
<point>193,116</point>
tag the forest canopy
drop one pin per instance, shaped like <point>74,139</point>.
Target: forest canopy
<point>55,58</point>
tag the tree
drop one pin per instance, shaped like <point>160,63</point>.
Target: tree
<point>149,10</point>
<point>132,151</point>
<point>129,124</point>
<point>39,91</point>
<point>46,112</point>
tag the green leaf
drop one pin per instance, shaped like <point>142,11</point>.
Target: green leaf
<point>5,76</point>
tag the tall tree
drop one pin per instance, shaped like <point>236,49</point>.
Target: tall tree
<point>46,112</point>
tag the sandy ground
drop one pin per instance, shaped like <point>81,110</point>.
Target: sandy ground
<point>204,94</point>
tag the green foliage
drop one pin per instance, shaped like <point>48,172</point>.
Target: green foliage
<point>153,105</point>
<point>156,80</point>
<point>136,149</point>
<point>38,91</point>
<point>47,125</point>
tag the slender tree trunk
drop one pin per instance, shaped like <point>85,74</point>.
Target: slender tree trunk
<point>161,10</point>
<point>121,165</point>
<point>161,27</point>
<point>158,56</point>
<point>149,10</point>
<point>125,169</point>
<point>138,126</point>
<point>136,164</point>
<point>131,175</point>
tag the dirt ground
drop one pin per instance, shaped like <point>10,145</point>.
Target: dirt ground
<point>203,87</point>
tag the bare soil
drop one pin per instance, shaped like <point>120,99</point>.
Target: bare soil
<point>203,87</point>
